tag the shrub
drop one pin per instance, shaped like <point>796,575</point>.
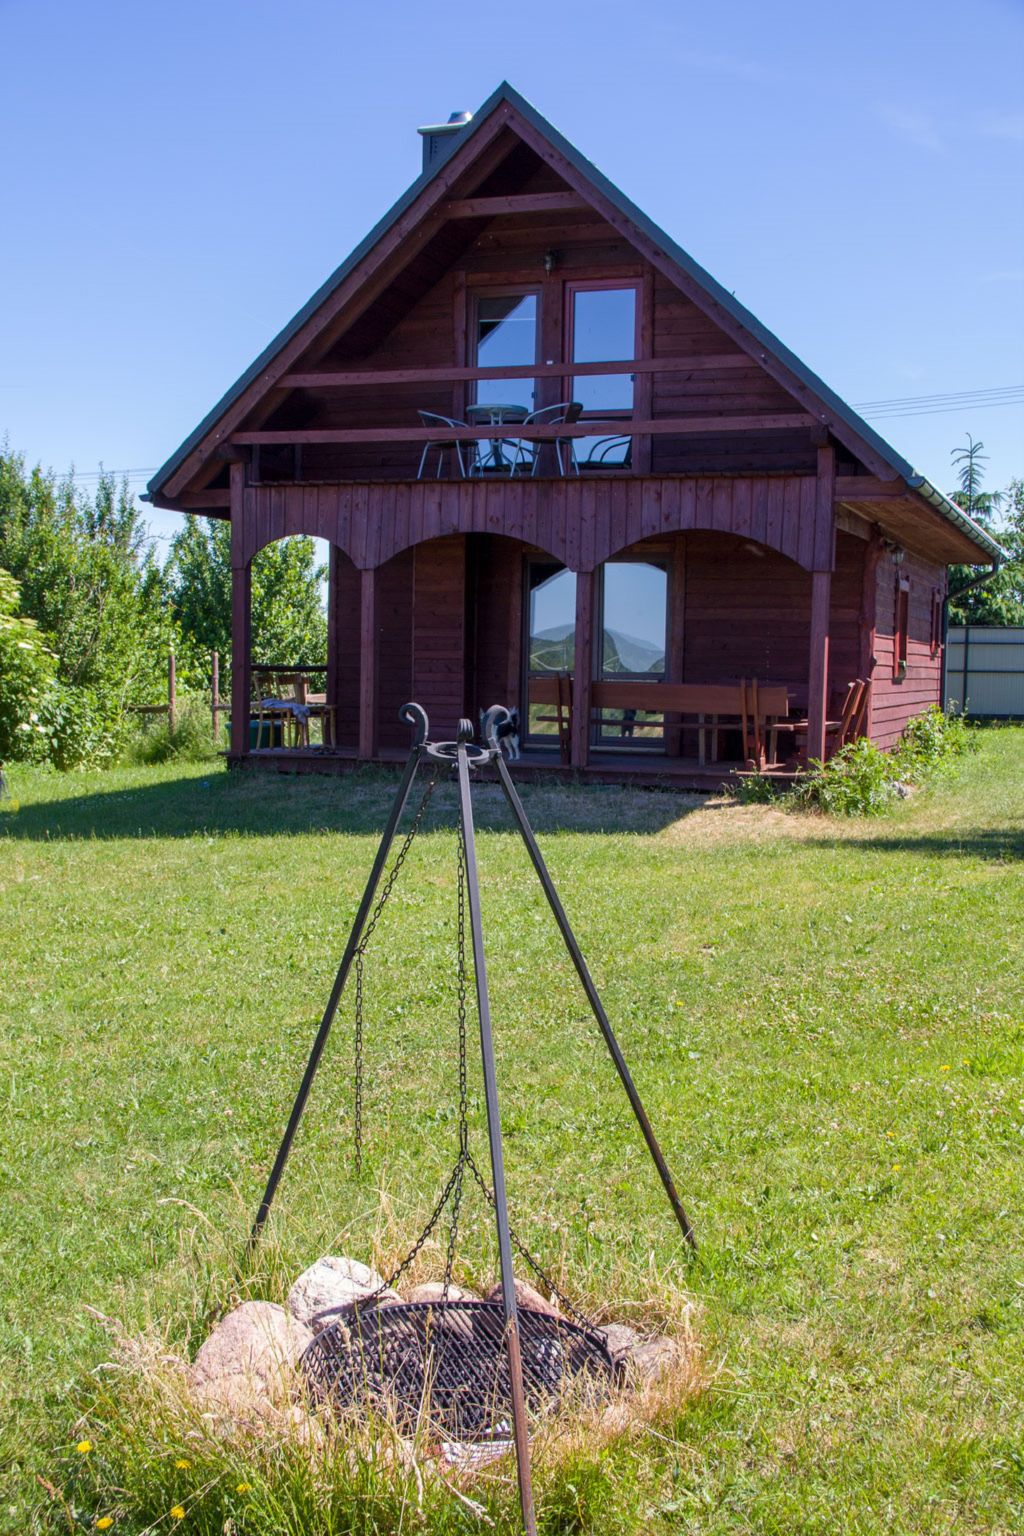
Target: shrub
<point>858,781</point>
<point>190,741</point>
<point>756,789</point>
<point>862,780</point>
<point>26,672</point>
<point>82,730</point>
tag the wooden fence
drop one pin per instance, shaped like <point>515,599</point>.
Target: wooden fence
<point>169,709</point>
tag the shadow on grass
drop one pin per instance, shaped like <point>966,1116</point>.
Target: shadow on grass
<point>1002,845</point>
<point>260,805</point>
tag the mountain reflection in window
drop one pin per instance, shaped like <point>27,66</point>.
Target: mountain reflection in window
<point>634,616</point>
<point>552,619</point>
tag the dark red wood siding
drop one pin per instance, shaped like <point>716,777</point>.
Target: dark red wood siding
<point>894,702</point>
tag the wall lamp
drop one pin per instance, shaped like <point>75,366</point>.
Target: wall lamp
<point>550,261</point>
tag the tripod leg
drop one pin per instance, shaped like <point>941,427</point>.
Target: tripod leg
<point>347,958</point>
<point>508,1291</point>
<point>594,1000</point>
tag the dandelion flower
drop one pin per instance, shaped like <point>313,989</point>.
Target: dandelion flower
<point>243,1488</point>
<point>945,1067</point>
<point>104,1522</point>
<point>177,1513</point>
<point>83,1447</point>
<point>896,1167</point>
<point>182,1465</point>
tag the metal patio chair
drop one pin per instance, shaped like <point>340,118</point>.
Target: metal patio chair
<point>529,452</point>
<point>441,445</point>
<point>606,445</point>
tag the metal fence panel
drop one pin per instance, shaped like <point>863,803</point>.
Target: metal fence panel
<point>985,671</point>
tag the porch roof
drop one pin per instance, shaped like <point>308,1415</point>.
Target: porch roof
<point>836,413</point>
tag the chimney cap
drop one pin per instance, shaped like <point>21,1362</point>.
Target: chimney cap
<point>456,121</point>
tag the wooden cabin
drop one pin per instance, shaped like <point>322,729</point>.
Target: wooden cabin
<point>695,555</point>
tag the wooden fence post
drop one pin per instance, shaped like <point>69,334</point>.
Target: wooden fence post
<point>172,693</point>
<point>215,695</point>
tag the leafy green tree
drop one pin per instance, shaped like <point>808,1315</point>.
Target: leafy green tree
<point>289,625</point>
<point>27,669</point>
<point>999,600</point>
<point>90,582</point>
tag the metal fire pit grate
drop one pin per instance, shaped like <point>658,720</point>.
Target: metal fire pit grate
<point>449,1360</point>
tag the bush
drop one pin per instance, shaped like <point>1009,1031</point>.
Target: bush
<point>862,780</point>
<point>190,741</point>
<point>82,730</point>
<point>858,781</point>
<point>26,672</point>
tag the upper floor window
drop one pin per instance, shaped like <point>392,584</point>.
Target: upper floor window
<point>505,336</point>
<point>602,326</point>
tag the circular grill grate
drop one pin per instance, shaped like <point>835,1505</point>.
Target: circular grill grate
<point>449,1359</point>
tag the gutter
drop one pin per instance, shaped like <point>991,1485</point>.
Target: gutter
<point>959,518</point>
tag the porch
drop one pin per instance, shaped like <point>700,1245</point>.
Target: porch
<point>462,595</point>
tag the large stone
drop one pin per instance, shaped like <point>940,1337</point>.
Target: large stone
<point>248,1362</point>
<point>433,1290</point>
<point>654,1359</point>
<point>526,1296</point>
<point>331,1282</point>
<point>621,1341</point>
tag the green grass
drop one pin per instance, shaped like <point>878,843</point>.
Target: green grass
<point>826,1022</point>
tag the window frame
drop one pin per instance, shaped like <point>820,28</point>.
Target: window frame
<point>901,629</point>
<point>597,285</point>
<point>600,740</point>
<point>502,291</point>
<point>531,562</point>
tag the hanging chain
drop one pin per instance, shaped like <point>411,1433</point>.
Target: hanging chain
<point>367,934</point>
<point>453,1190</point>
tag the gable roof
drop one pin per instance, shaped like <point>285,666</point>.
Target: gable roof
<point>836,414</point>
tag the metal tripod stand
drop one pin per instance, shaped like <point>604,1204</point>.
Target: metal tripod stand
<point>465,755</point>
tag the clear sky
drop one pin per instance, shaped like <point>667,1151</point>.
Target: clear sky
<point>179,178</point>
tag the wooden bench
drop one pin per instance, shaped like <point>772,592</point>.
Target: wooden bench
<point>553,692</point>
<point>707,708</point>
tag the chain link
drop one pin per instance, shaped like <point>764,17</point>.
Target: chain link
<point>367,934</point>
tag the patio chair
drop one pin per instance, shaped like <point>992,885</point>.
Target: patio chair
<point>607,445</point>
<point>530,452</point>
<point>273,704</point>
<point>441,445</point>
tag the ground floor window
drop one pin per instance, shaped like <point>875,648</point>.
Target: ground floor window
<point>633,629</point>
<point>550,646</point>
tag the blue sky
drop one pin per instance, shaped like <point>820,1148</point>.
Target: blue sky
<point>180,177</point>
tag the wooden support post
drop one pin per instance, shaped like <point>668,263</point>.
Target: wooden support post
<point>817,673</point>
<point>583,665</point>
<point>368,665</point>
<point>331,686</point>
<point>241,619</point>
<point>821,598</point>
<point>676,637</point>
<point>172,693</point>
<point>215,695</point>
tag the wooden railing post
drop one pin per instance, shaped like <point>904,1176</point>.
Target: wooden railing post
<point>172,692</point>
<point>215,695</point>
<point>368,665</point>
<point>583,666</point>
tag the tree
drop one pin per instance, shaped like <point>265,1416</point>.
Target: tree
<point>289,625</point>
<point>1000,600</point>
<point>89,580</point>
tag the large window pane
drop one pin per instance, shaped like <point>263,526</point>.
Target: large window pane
<point>603,330</point>
<point>506,336</point>
<point>551,598</point>
<point>634,615</point>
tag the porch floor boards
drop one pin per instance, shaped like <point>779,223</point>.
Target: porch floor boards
<point>642,770</point>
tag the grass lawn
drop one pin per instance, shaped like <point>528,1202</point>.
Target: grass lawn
<point>826,1022</point>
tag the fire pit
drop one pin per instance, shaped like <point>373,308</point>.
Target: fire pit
<point>449,1361</point>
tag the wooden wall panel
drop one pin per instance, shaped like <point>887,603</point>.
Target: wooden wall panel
<point>580,521</point>
<point>747,614</point>
<point>494,622</point>
<point>394,656</point>
<point>894,703</point>
<point>439,631</point>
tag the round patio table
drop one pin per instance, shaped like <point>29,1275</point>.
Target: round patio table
<point>496,415</point>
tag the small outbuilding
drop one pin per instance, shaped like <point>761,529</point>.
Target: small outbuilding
<point>559,467</point>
